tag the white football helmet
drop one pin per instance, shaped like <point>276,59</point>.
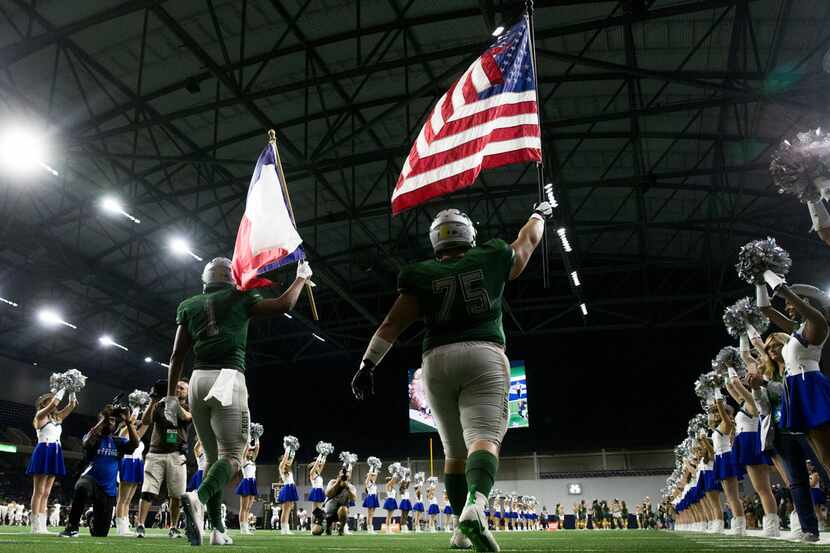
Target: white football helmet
<point>451,228</point>
<point>218,271</point>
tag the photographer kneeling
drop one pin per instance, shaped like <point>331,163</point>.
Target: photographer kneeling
<point>97,484</point>
<point>339,493</point>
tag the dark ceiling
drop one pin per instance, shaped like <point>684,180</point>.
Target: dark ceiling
<point>658,119</point>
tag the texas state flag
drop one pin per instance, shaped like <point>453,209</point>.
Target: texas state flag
<point>267,237</point>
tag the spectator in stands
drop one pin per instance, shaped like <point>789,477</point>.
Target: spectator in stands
<point>97,484</point>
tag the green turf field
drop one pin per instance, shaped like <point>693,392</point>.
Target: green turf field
<point>629,541</point>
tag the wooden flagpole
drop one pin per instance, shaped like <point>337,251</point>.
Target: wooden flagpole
<point>272,140</point>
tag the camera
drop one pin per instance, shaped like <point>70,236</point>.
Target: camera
<point>120,406</point>
<point>159,389</point>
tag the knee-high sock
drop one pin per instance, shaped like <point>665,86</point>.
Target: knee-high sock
<point>481,472</point>
<point>210,492</point>
<point>214,512</point>
<point>456,486</point>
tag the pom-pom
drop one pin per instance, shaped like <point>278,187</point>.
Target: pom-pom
<point>374,464</point>
<point>405,472</point>
<point>324,449</point>
<point>699,422</point>
<point>75,380</point>
<point>759,256</point>
<point>728,357</point>
<point>419,478</point>
<point>138,399</point>
<point>432,481</point>
<point>801,167</point>
<point>394,469</point>
<point>257,431</point>
<point>707,384</point>
<point>290,444</point>
<point>741,314</point>
<point>348,459</point>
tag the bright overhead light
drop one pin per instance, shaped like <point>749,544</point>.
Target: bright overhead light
<point>181,247</point>
<point>50,317</point>
<point>112,205</point>
<point>107,341</point>
<point>288,316</point>
<point>165,365</point>
<point>318,337</point>
<point>21,150</point>
<point>584,309</point>
<point>148,359</point>
<point>9,302</point>
<point>498,30</point>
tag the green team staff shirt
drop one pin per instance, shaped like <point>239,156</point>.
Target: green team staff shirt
<point>218,324</point>
<point>460,298</point>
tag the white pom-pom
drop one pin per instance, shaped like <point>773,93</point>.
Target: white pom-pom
<point>729,358</point>
<point>138,399</point>
<point>743,313</point>
<point>256,430</point>
<point>374,464</point>
<point>801,167</point>
<point>324,449</point>
<point>759,256</point>
<point>290,444</point>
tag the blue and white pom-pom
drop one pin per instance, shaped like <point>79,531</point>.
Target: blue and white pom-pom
<point>729,358</point>
<point>257,430</point>
<point>743,314</point>
<point>759,256</point>
<point>348,459</point>
<point>801,167</point>
<point>374,464</point>
<point>290,444</point>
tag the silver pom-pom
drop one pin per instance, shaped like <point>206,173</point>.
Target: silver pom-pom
<point>374,464</point>
<point>432,481</point>
<point>801,167</point>
<point>57,381</point>
<point>138,399</point>
<point>324,449</point>
<point>699,422</point>
<point>744,312</point>
<point>728,357</point>
<point>759,256</point>
<point>394,469</point>
<point>72,380</point>
<point>419,478</point>
<point>257,430</point>
<point>707,384</point>
<point>405,472</point>
<point>348,459</point>
<point>290,444</point>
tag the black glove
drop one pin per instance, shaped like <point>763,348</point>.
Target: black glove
<point>363,383</point>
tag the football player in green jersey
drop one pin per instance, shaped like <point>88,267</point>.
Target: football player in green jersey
<point>458,294</point>
<point>214,325</point>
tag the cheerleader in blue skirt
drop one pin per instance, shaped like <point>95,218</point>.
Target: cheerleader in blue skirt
<point>247,489</point>
<point>448,515</point>
<point>201,466</point>
<point>288,493</point>
<point>807,402</point>
<point>711,486</point>
<point>418,508</point>
<point>391,503</point>
<point>433,511</point>
<point>405,505</point>
<point>46,462</point>
<point>727,471</point>
<point>130,478</point>
<point>816,493</point>
<point>371,502</point>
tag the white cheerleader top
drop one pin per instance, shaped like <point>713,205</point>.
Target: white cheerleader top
<point>317,482</point>
<point>433,501</point>
<point>138,452</point>
<point>704,466</point>
<point>249,470</point>
<point>392,493</point>
<point>721,443</point>
<point>800,359</point>
<point>405,495</point>
<point>288,478</point>
<point>372,489</point>
<point>49,433</point>
<point>201,461</point>
<point>745,423</point>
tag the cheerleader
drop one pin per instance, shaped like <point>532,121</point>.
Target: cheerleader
<point>405,505</point>
<point>130,477</point>
<point>623,513</point>
<point>288,493</point>
<point>201,466</point>
<point>391,503</point>
<point>817,494</point>
<point>581,510</point>
<point>448,514</point>
<point>711,486</point>
<point>433,511</point>
<point>47,458</point>
<point>418,507</point>
<point>317,495</point>
<point>727,471</point>
<point>371,502</point>
<point>247,489</point>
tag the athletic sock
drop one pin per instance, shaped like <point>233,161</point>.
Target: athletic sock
<point>214,512</point>
<point>215,480</point>
<point>456,487</point>
<point>481,473</point>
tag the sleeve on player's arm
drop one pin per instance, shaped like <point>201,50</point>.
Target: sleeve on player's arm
<point>253,297</point>
<point>504,251</point>
<point>406,281</point>
<point>181,314</point>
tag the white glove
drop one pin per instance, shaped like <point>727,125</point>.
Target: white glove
<point>752,333</point>
<point>718,394</point>
<point>773,280</point>
<point>171,410</point>
<point>744,340</point>
<point>818,215</point>
<point>304,270</point>
<point>72,397</point>
<point>762,295</point>
<point>59,395</point>
<point>732,372</point>
<point>542,211</point>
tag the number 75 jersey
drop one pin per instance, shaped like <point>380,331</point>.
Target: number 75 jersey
<point>460,299</point>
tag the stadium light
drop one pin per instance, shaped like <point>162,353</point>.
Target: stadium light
<point>318,337</point>
<point>51,318</point>
<point>181,247</point>
<point>112,205</point>
<point>498,30</point>
<point>107,342</point>
<point>8,302</point>
<point>21,149</point>
<point>148,359</point>
<point>165,365</point>
<point>575,278</point>
<point>584,309</point>
<point>288,316</point>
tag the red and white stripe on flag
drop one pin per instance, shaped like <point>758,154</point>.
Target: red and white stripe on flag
<point>469,130</point>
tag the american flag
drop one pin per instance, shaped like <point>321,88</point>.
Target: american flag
<point>487,119</point>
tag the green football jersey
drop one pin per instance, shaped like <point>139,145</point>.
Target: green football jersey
<point>218,324</point>
<point>460,298</point>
